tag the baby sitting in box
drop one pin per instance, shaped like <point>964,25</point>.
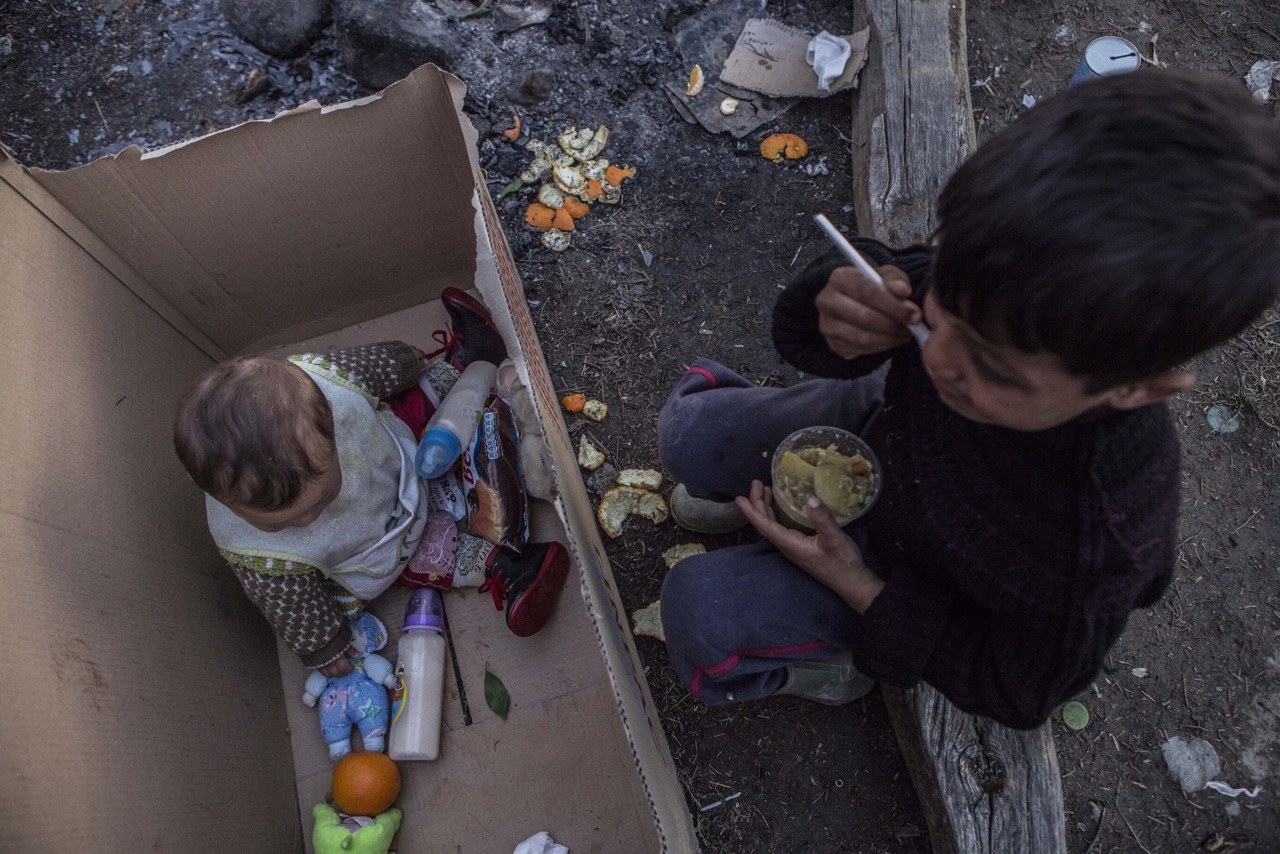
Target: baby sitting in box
<point>312,496</point>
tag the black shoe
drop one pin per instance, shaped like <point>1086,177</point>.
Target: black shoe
<point>474,337</point>
<point>526,583</point>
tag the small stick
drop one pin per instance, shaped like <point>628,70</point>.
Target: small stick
<point>720,802</point>
<point>101,116</point>
<point>918,330</point>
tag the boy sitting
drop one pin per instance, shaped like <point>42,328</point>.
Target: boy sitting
<point>1030,462</point>
<point>313,498</point>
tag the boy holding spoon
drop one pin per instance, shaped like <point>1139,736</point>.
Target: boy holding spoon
<point>1030,461</point>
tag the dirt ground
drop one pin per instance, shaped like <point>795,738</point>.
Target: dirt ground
<point>724,228</point>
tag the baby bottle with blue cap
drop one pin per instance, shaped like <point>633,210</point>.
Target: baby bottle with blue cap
<point>454,425</point>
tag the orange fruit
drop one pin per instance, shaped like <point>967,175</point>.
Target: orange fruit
<point>365,783</point>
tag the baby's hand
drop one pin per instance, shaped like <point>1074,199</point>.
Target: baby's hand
<point>341,667</point>
<point>857,317</point>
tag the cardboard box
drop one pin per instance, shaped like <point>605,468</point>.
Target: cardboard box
<point>147,708</point>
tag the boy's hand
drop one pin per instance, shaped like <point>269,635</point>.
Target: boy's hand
<point>829,555</point>
<point>857,317</point>
<point>341,667</point>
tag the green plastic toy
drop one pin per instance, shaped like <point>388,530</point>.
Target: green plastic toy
<point>332,836</point>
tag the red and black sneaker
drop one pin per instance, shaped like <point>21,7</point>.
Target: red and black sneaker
<point>473,334</point>
<point>526,583</point>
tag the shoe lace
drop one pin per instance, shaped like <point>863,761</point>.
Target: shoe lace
<point>448,339</point>
<point>496,586</point>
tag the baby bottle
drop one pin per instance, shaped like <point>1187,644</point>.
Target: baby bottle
<point>419,692</point>
<point>454,425</point>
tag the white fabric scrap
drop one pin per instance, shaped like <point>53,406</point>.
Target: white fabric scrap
<point>1260,76</point>
<point>828,55</point>
<point>540,843</point>
<point>1231,791</point>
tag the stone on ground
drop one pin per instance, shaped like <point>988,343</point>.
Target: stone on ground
<point>383,40</point>
<point>279,27</point>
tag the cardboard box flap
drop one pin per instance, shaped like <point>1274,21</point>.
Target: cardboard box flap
<point>276,230</point>
<point>150,702</point>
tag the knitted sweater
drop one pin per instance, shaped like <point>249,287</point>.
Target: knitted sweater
<point>308,611</point>
<point>1011,560</point>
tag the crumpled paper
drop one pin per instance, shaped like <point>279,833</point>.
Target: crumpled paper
<point>1260,76</point>
<point>540,843</point>
<point>828,55</point>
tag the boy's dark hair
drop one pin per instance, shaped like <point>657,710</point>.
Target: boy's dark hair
<point>250,431</point>
<point>1125,225</point>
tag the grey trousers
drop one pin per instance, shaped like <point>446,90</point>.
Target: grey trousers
<point>735,617</point>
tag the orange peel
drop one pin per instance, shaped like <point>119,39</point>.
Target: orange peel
<point>563,220</point>
<point>576,208</point>
<point>540,216</point>
<point>615,175</point>
<point>783,146</point>
<point>573,402</point>
<point>594,190</point>
<point>513,133</point>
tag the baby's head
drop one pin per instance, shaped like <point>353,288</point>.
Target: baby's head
<point>1105,238</point>
<point>257,434</point>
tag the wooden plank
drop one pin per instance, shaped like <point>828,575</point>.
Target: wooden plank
<point>983,787</point>
<point>912,118</point>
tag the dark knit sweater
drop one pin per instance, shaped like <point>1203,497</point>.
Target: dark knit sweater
<point>1012,560</point>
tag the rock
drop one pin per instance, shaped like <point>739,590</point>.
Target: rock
<point>280,27</point>
<point>602,479</point>
<point>509,17</point>
<point>382,42</point>
<point>534,88</point>
<point>508,161</point>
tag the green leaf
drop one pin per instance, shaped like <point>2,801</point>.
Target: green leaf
<point>495,694</point>
<point>510,188</point>
<point>479,12</point>
<point>1074,715</point>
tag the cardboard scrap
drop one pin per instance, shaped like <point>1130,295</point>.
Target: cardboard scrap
<point>752,111</point>
<point>771,58</point>
<point>705,39</point>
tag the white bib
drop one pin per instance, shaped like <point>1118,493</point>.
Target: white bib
<point>366,535</point>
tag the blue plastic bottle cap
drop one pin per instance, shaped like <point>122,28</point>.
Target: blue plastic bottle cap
<point>437,452</point>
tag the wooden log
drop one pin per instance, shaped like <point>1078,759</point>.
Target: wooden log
<point>983,787</point>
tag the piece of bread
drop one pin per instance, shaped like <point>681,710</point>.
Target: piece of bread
<point>641,479</point>
<point>589,456</point>
<point>647,621</point>
<point>675,554</point>
<point>651,506</point>
<point>595,410</point>
<point>623,501</point>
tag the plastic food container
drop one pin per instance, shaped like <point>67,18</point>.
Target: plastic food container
<point>821,437</point>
